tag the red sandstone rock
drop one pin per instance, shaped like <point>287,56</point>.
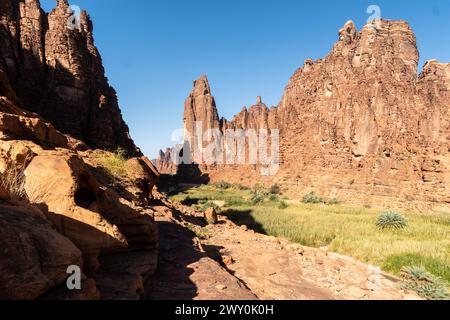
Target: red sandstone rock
<point>59,73</point>
<point>360,124</point>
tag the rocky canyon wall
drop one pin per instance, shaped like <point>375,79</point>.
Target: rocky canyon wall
<point>361,124</point>
<point>58,73</point>
<point>61,208</point>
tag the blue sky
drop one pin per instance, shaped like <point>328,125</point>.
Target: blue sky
<point>154,49</point>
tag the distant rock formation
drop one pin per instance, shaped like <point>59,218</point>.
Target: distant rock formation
<point>361,124</point>
<point>58,73</point>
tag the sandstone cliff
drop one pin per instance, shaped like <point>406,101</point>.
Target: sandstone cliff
<point>360,124</point>
<point>59,204</point>
<point>58,73</point>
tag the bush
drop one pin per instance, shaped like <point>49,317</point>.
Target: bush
<point>257,199</point>
<point>312,198</point>
<point>115,164</point>
<point>334,202</point>
<point>237,186</point>
<point>259,189</point>
<point>275,189</point>
<point>222,185</point>
<point>391,220</point>
<point>424,283</point>
<point>282,205</point>
<point>273,197</point>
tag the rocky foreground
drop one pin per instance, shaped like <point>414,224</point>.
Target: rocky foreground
<point>232,262</point>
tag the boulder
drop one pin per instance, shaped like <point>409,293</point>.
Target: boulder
<point>211,216</point>
<point>34,257</point>
<point>61,185</point>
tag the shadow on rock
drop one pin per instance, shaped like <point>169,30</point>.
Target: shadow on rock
<point>244,218</point>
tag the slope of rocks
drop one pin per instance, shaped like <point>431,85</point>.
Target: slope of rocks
<point>361,124</point>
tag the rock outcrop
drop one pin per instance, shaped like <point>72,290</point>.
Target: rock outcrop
<point>59,204</point>
<point>360,124</point>
<point>33,256</point>
<point>58,73</point>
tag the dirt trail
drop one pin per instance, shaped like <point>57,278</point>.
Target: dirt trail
<point>235,263</point>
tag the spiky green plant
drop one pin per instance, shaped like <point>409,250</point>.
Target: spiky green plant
<point>257,199</point>
<point>424,283</point>
<point>391,220</point>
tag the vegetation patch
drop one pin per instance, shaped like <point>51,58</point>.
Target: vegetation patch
<point>313,198</point>
<point>343,229</point>
<point>13,182</point>
<point>391,220</point>
<point>396,263</point>
<point>282,205</point>
<point>114,164</point>
<point>207,205</point>
<point>199,232</point>
<point>424,283</point>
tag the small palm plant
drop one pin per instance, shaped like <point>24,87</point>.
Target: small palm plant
<point>391,220</point>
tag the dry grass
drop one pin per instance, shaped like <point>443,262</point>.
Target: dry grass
<point>13,182</point>
<point>114,164</point>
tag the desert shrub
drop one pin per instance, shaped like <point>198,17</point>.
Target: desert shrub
<point>238,186</point>
<point>391,220</point>
<point>273,197</point>
<point>275,189</point>
<point>259,189</point>
<point>222,185</point>
<point>257,199</point>
<point>424,283</point>
<point>333,202</point>
<point>282,205</point>
<point>312,198</point>
<point>115,164</point>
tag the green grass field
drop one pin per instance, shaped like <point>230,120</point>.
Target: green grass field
<point>343,229</point>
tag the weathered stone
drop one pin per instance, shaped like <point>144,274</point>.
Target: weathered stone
<point>59,73</point>
<point>34,257</point>
<point>211,216</point>
<point>61,184</point>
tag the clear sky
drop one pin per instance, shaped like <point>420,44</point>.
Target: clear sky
<point>154,49</point>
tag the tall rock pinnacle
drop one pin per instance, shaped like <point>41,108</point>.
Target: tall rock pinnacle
<point>200,108</point>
